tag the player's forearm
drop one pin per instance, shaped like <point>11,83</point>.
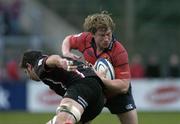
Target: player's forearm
<point>54,61</point>
<point>57,61</point>
<point>66,48</point>
<point>117,85</point>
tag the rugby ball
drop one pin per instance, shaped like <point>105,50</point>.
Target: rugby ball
<point>103,64</point>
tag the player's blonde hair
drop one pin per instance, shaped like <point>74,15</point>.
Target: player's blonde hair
<point>98,20</point>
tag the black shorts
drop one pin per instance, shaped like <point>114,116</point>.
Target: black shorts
<point>87,92</point>
<point>121,103</point>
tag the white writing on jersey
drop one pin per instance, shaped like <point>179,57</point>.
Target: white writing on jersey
<point>56,82</point>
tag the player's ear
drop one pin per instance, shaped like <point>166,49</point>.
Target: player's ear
<point>29,66</point>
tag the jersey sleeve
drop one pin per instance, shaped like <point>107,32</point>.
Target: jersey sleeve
<point>122,72</point>
<point>40,66</point>
<point>80,41</point>
<point>122,69</point>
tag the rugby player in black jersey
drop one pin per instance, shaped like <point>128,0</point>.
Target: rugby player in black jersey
<point>79,85</point>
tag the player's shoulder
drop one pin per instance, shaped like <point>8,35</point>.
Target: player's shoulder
<point>118,53</point>
<point>40,63</point>
<point>118,47</point>
<point>87,36</point>
<point>83,35</point>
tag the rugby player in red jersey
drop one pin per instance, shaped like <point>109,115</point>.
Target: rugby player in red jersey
<point>97,41</point>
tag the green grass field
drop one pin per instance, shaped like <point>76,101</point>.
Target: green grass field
<point>104,118</point>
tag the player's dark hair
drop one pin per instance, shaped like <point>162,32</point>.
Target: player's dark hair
<point>30,57</point>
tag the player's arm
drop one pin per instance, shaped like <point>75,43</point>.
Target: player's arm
<point>66,48</point>
<point>122,73</point>
<point>114,86</point>
<point>117,85</point>
<point>57,61</point>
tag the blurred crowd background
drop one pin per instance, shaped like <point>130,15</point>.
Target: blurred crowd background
<point>149,30</point>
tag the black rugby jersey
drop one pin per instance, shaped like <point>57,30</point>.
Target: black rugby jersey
<point>59,79</point>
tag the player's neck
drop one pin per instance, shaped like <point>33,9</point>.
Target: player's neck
<point>99,51</point>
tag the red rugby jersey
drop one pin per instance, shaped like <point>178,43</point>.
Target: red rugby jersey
<point>115,53</point>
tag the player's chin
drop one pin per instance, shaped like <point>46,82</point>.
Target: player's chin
<point>105,45</point>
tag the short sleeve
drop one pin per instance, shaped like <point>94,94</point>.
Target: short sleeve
<point>80,41</point>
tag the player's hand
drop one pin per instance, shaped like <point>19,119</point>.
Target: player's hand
<point>102,73</point>
<point>71,66</point>
<point>67,65</point>
<point>72,56</point>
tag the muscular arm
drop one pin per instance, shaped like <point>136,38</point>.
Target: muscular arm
<point>117,85</point>
<point>66,49</point>
<point>66,46</point>
<point>122,81</point>
<point>122,75</point>
<point>122,72</point>
<point>56,61</point>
